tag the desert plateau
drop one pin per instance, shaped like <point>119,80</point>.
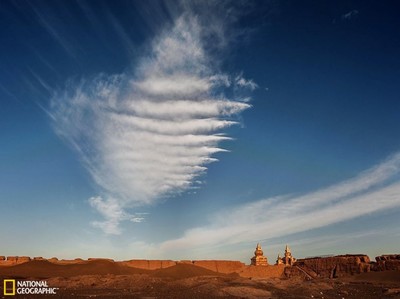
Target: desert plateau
<point>344,276</point>
<point>146,146</point>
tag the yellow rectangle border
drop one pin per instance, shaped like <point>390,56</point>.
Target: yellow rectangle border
<point>5,287</point>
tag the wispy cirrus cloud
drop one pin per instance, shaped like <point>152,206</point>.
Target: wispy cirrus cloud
<point>374,190</point>
<point>150,133</point>
<point>57,34</point>
<point>350,15</point>
<point>242,82</point>
<point>113,213</point>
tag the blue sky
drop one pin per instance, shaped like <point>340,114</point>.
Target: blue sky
<point>176,130</point>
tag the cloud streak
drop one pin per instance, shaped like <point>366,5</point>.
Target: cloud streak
<point>374,190</point>
<point>350,15</point>
<point>150,133</point>
<point>242,82</point>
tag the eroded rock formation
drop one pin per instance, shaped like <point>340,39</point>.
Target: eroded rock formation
<point>308,268</point>
<point>387,262</point>
<point>13,260</point>
<point>331,267</point>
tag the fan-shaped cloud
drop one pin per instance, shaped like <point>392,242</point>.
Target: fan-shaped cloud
<point>149,134</point>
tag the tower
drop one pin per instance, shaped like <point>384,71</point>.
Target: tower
<point>259,259</point>
<point>287,259</point>
<point>287,251</point>
<point>279,260</point>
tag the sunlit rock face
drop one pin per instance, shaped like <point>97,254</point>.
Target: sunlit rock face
<point>330,267</point>
<point>387,262</point>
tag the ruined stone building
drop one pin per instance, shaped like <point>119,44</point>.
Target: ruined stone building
<point>287,259</point>
<point>259,259</point>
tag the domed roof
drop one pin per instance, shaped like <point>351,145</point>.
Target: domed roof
<point>258,251</point>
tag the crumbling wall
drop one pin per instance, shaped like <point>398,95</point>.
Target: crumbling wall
<point>214,265</point>
<point>387,262</point>
<point>53,260</point>
<point>302,271</point>
<point>68,262</point>
<point>100,259</point>
<point>220,266</point>
<point>149,264</point>
<point>336,266</point>
<point>13,260</point>
<point>270,271</point>
<point>39,258</point>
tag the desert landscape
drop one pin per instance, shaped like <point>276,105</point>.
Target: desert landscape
<point>343,276</point>
<point>146,146</point>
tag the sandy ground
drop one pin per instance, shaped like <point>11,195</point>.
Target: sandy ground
<point>102,279</point>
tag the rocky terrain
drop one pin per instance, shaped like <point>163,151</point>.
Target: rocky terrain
<point>102,278</point>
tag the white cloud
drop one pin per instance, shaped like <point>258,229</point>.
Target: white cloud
<point>111,210</point>
<point>66,42</point>
<point>179,85</point>
<point>242,82</point>
<point>182,109</point>
<point>374,190</point>
<point>148,135</point>
<point>351,14</point>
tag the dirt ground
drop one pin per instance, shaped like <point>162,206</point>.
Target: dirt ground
<point>107,280</point>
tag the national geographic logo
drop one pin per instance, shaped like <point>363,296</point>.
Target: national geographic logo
<point>11,287</point>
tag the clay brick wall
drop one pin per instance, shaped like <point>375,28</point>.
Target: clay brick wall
<point>387,262</point>
<point>167,263</point>
<point>337,265</point>
<point>100,259</point>
<point>23,259</point>
<point>149,264</point>
<point>154,264</point>
<point>13,260</point>
<point>270,271</point>
<point>220,266</point>
<point>214,265</point>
